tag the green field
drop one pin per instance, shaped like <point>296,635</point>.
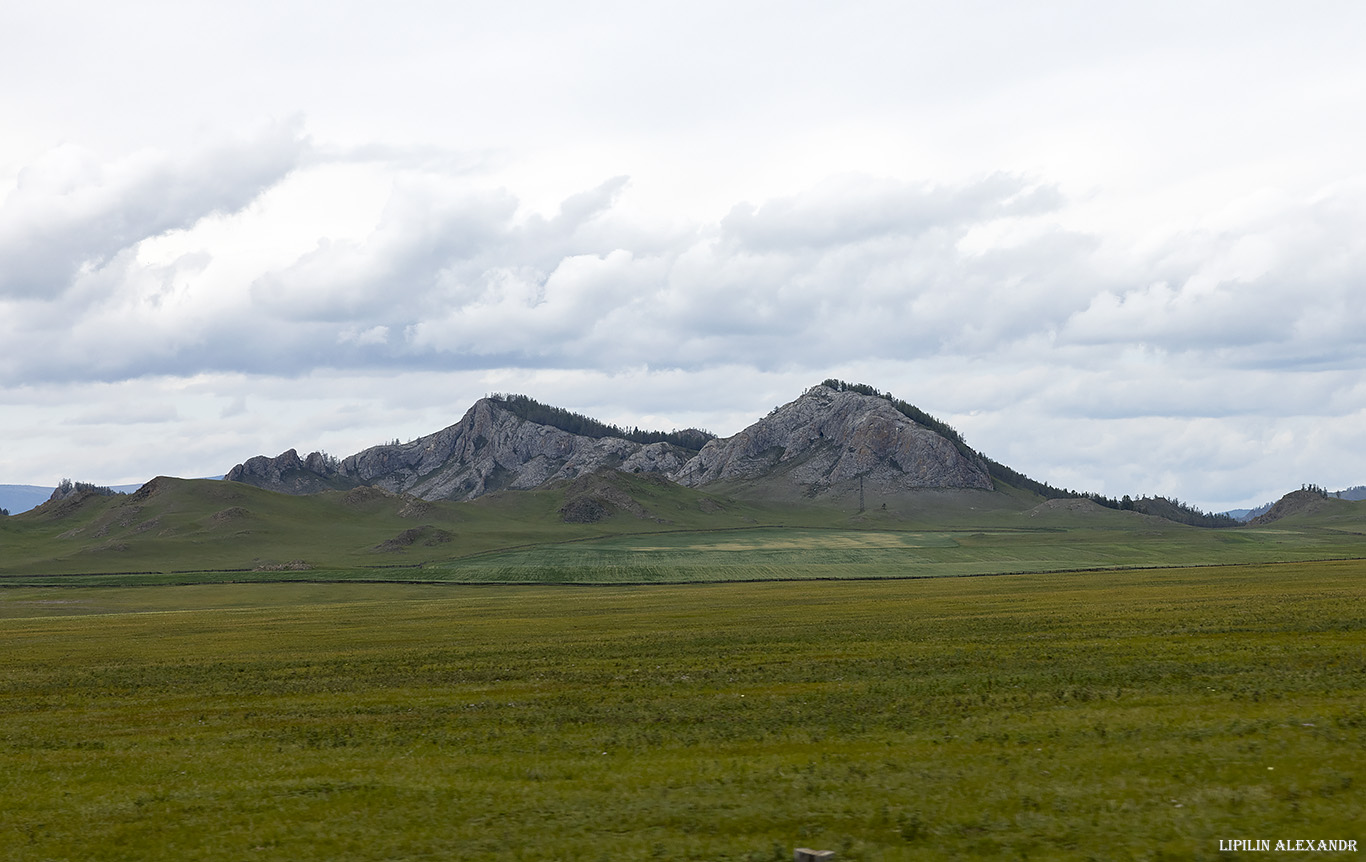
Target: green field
<point>1093,715</point>
<point>785,553</point>
<point>206,670</point>
<point>181,532</point>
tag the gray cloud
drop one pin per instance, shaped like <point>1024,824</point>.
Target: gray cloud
<point>455,276</point>
<point>852,209</point>
<point>1280,292</point>
<point>71,214</point>
<point>1121,372</point>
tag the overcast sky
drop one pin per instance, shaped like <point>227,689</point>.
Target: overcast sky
<point>1120,246</point>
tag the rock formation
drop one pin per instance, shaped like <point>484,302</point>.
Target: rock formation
<point>489,449</point>
<point>1294,503</point>
<point>828,439</point>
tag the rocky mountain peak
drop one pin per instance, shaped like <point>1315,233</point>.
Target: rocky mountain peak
<point>828,439</point>
<point>835,439</point>
<point>492,448</point>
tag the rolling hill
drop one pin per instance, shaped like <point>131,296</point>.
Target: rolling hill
<point>515,474</point>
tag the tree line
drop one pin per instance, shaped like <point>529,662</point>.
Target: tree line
<point>531,410</point>
<point>66,488</point>
<point>1171,509</point>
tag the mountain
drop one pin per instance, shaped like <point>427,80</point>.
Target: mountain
<point>1245,515</point>
<point>187,525</point>
<point>21,498</point>
<point>492,448</point>
<point>829,442</point>
<point>840,443</point>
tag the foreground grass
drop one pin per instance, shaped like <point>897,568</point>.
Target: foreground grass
<point>1119,715</point>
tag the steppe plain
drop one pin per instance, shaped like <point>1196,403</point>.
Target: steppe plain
<point>955,681</point>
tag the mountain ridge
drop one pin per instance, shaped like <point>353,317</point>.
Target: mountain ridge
<point>816,444</point>
<point>838,441</point>
<point>490,449</point>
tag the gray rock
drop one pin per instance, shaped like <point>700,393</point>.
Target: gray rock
<point>822,441</point>
<point>827,439</point>
<point>289,473</point>
<point>489,449</point>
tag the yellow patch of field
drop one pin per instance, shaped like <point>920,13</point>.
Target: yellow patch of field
<point>799,540</point>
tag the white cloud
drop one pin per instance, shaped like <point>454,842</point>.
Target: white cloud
<point>70,213</point>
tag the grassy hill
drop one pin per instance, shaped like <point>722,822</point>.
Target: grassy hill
<point>614,527</point>
<point>189,525</point>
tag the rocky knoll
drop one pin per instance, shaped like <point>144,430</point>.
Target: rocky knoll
<point>289,473</point>
<point>827,440</point>
<point>490,449</point>
<point>1295,503</point>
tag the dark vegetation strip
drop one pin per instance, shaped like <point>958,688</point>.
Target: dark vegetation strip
<point>531,410</point>
<point>1163,507</point>
<point>59,580</point>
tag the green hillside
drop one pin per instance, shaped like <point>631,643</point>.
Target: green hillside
<point>190,525</point>
<point>614,527</point>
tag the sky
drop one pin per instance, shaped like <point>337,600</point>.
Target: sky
<point>1120,247</point>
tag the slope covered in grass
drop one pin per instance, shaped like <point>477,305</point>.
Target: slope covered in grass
<point>178,525</point>
<point>614,527</point>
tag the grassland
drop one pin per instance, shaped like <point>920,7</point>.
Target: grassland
<point>182,526</point>
<point>1097,715</point>
<point>211,671</point>
<point>179,532</point>
<point>784,553</point>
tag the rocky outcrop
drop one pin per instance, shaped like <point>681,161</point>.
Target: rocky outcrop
<point>825,440</point>
<point>489,449</point>
<point>1295,503</point>
<point>289,473</point>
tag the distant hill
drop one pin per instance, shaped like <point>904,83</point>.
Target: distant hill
<point>832,442</point>
<point>836,443</point>
<point>21,498</point>
<point>513,472</point>
<point>1245,515</point>
<point>839,442</point>
<point>494,447</point>
<point>188,525</point>
<point>1356,492</point>
<point>1306,501</point>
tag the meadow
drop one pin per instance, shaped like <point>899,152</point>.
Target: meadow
<point>1126,714</point>
<point>785,553</point>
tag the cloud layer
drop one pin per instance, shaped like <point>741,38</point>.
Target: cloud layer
<point>453,275</point>
<point>982,281</point>
<point>1120,251</point>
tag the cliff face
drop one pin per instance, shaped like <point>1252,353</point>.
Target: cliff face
<point>289,473</point>
<point>489,449</point>
<point>826,439</point>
